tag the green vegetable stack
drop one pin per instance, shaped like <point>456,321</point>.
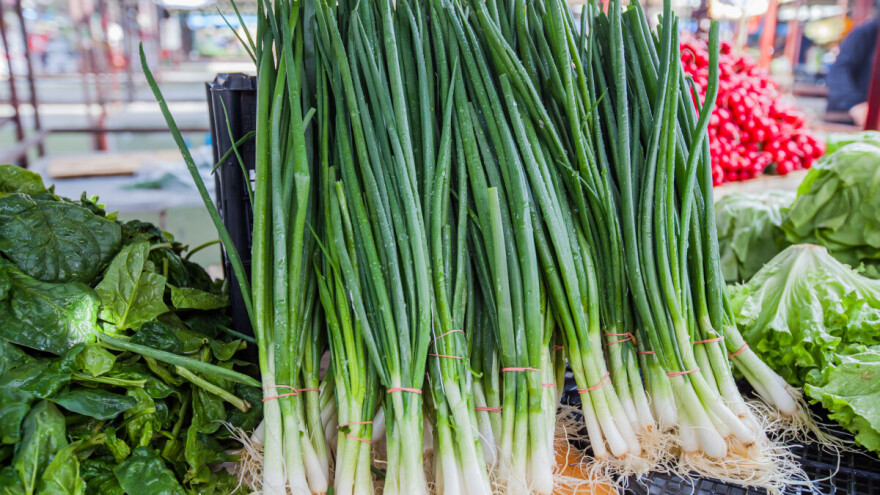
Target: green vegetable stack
<point>816,320</point>
<point>116,367</point>
<point>838,206</point>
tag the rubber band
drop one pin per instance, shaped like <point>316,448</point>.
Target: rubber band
<point>488,409</point>
<point>741,349</point>
<point>628,335</point>
<point>597,386</point>
<point>505,370</point>
<point>354,423</point>
<point>646,352</point>
<point>709,341</point>
<point>446,356</point>
<point>403,389</point>
<point>290,394</point>
<point>308,390</point>
<point>445,334</point>
<point>680,373</point>
<point>548,385</point>
<point>359,439</point>
<point>558,347</point>
<point>618,341</point>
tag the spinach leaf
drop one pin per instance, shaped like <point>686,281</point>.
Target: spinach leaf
<point>247,421</point>
<point>14,406</point>
<point>62,477</point>
<point>11,356</point>
<point>158,335</point>
<point>10,482</point>
<point>117,447</point>
<point>14,179</point>
<point>142,419</point>
<point>45,316</point>
<point>144,473</point>
<point>42,377</point>
<point>131,295</point>
<point>154,387</point>
<point>200,452</point>
<point>43,436</point>
<point>95,403</point>
<point>99,478</point>
<point>188,298</point>
<point>56,241</point>
<point>224,351</point>
<point>94,360</point>
<point>208,411</point>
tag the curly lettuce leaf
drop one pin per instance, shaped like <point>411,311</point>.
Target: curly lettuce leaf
<point>804,306</point>
<point>838,206</point>
<point>850,390</point>
<point>748,231</point>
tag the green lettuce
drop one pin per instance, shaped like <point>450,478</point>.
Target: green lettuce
<point>836,140</point>
<point>838,206</point>
<point>803,308</point>
<point>850,390</point>
<point>748,231</point>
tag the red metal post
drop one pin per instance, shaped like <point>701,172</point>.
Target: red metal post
<point>793,40</point>
<point>872,123</point>
<point>41,150</point>
<point>768,35</point>
<point>13,93</point>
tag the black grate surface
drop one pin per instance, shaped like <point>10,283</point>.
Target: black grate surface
<point>847,473</point>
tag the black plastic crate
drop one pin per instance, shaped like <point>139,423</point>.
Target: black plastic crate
<point>830,472</point>
<point>238,93</point>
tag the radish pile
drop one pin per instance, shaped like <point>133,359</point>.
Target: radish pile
<point>750,128</point>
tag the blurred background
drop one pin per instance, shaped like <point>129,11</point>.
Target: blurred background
<point>75,107</point>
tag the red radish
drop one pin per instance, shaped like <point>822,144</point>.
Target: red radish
<point>751,127</point>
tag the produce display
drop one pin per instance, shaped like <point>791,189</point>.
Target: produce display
<point>749,233</point>
<point>838,206</point>
<point>751,127</point>
<point>118,373</point>
<point>455,200</point>
<point>816,320</point>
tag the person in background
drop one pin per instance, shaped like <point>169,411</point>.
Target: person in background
<point>849,77</point>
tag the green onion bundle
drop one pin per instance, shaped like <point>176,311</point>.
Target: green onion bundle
<point>482,192</point>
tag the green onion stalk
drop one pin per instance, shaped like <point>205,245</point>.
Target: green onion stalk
<point>656,203</point>
<point>392,299</point>
<point>504,216</point>
<point>460,467</point>
<point>568,244</point>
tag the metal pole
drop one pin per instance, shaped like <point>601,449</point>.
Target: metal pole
<point>793,40</point>
<point>41,150</point>
<point>13,94</point>
<point>768,35</point>
<point>129,24</point>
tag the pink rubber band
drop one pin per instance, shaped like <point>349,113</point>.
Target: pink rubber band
<point>359,439</point>
<point>488,409</point>
<point>709,341</point>
<point>403,389</point>
<point>548,385</point>
<point>291,394</point>
<point>445,334</point>
<point>597,386</point>
<point>647,352</point>
<point>558,347</point>
<point>628,335</point>
<point>741,349</point>
<point>680,373</point>
<point>308,390</point>
<point>505,370</point>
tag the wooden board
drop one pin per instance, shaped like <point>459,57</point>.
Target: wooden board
<point>106,163</point>
<point>568,458</point>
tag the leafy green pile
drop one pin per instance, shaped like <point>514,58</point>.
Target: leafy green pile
<point>816,320</point>
<point>116,367</point>
<point>748,231</point>
<point>836,140</point>
<point>838,206</point>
